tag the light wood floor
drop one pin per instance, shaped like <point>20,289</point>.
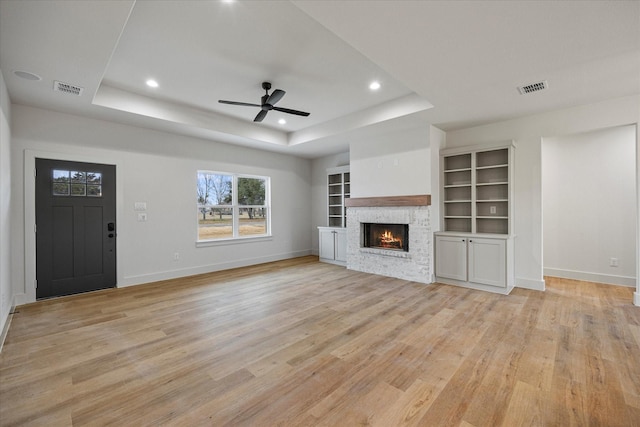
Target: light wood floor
<point>304,343</point>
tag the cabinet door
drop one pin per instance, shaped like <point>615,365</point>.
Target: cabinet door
<point>341,245</point>
<point>451,257</point>
<point>487,262</point>
<point>327,244</point>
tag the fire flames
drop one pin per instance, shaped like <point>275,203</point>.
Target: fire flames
<point>388,240</point>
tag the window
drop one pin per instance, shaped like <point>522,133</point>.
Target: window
<point>232,206</point>
<point>77,183</point>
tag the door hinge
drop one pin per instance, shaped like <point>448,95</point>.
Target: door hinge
<point>35,172</point>
<point>35,284</point>
<point>35,228</point>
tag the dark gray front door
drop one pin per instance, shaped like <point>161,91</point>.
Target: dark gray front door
<point>75,227</point>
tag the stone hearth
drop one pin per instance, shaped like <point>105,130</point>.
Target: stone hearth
<point>414,265</point>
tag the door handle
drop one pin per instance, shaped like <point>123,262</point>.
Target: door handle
<point>111,226</point>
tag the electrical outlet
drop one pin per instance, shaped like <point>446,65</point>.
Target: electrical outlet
<point>176,256</point>
<point>613,262</point>
<point>492,209</point>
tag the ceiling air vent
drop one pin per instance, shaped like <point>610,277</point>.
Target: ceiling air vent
<point>533,87</point>
<point>67,88</point>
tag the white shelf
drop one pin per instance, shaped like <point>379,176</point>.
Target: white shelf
<point>457,185</point>
<point>492,167</point>
<point>481,184</point>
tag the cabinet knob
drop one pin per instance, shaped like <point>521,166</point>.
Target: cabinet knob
<point>463,240</point>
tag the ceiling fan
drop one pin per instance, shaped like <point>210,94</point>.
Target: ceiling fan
<point>267,104</point>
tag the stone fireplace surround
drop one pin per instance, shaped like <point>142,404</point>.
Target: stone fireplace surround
<point>415,211</point>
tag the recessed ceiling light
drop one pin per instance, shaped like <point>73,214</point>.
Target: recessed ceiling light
<point>152,83</point>
<point>282,121</point>
<point>374,85</point>
<point>27,75</point>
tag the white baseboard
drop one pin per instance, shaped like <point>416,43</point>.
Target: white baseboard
<point>636,299</point>
<point>210,268</point>
<point>534,285</point>
<point>7,323</point>
<point>591,277</point>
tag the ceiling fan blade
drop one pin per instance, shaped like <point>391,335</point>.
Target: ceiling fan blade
<point>238,103</point>
<point>275,96</point>
<point>261,115</point>
<point>296,112</point>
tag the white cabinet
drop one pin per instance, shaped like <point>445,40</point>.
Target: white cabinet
<point>477,262</point>
<point>451,262</point>
<point>333,245</point>
<point>487,261</point>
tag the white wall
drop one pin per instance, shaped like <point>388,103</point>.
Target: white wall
<point>319,195</point>
<point>589,205</point>
<point>160,169</point>
<point>528,133</point>
<point>6,291</point>
<point>397,165</point>
<point>437,140</point>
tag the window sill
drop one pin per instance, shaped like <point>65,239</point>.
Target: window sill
<point>233,241</point>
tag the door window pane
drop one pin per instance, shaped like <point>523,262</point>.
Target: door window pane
<point>94,190</point>
<point>94,178</point>
<point>78,177</point>
<point>60,189</point>
<point>60,182</point>
<point>78,189</point>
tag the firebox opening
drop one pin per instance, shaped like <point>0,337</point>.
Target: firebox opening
<point>386,236</point>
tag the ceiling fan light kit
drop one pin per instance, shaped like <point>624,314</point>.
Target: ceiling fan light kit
<point>267,103</point>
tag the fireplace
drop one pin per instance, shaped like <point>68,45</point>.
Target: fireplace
<point>412,214</point>
<point>385,236</point>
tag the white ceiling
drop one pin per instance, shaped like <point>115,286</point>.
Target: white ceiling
<point>450,64</point>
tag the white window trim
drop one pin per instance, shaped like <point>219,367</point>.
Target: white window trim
<point>235,207</point>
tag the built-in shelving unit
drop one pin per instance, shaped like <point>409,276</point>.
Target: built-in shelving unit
<point>475,247</point>
<point>333,238</point>
<point>476,191</point>
<point>339,189</point>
